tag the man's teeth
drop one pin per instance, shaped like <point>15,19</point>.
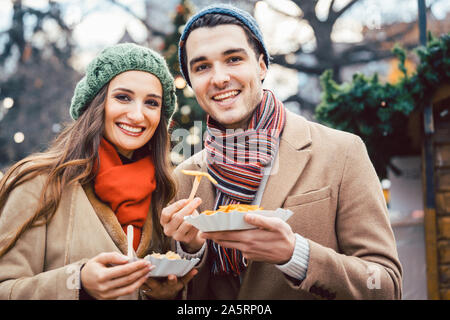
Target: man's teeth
<point>131,129</point>
<point>226,95</point>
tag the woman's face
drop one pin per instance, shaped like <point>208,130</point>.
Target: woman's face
<point>132,110</point>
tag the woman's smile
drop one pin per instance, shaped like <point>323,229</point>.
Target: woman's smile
<point>132,110</point>
<point>134,131</point>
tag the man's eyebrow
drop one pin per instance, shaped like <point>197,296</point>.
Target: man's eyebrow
<point>232,51</point>
<point>153,95</point>
<point>225,53</point>
<point>195,60</point>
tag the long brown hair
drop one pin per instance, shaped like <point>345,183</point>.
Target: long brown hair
<point>70,159</point>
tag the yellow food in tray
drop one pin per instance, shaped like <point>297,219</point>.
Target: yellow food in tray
<point>170,255</point>
<point>233,207</point>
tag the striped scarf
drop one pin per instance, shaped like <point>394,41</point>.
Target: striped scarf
<point>236,159</point>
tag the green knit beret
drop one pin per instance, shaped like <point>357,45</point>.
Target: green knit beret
<point>115,60</point>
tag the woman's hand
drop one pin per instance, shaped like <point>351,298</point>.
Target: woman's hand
<point>168,288</point>
<point>102,281</point>
<point>172,220</point>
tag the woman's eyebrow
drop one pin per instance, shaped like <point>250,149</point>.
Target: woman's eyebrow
<point>153,95</point>
<point>123,89</point>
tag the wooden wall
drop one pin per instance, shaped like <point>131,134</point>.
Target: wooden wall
<point>437,231</point>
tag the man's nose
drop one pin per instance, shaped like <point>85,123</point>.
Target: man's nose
<point>220,77</point>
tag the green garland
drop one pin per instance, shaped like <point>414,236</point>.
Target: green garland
<point>379,112</point>
<point>433,70</point>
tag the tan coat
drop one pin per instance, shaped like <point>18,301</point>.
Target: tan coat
<point>45,262</point>
<point>326,178</point>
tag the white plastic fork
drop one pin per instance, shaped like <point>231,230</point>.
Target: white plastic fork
<point>130,237</point>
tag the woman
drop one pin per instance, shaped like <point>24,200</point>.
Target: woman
<point>64,212</point>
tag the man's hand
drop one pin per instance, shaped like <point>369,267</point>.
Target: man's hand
<point>272,242</point>
<point>172,220</point>
<point>167,288</point>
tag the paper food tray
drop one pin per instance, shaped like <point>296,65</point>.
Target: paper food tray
<point>227,221</point>
<point>164,266</point>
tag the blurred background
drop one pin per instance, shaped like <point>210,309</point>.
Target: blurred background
<point>327,55</point>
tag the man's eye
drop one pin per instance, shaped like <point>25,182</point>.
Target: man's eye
<point>122,97</point>
<point>234,59</point>
<point>201,67</point>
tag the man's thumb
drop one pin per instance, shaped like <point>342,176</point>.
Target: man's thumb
<point>259,221</point>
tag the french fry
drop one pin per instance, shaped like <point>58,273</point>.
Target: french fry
<point>199,173</point>
<point>195,187</point>
<point>228,208</point>
<point>198,177</point>
<point>209,212</point>
<point>170,255</point>
<point>233,207</point>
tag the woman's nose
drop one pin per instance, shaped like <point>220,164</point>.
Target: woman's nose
<point>136,113</point>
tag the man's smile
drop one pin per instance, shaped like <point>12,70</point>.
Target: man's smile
<point>225,95</point>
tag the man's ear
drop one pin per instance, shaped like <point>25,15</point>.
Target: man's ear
<point>262,67</point>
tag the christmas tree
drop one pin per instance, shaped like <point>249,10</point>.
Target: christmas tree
<point>189,115</point>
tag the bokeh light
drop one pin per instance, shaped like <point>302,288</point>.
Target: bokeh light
<point>19,137</point>
<point>8,103</point>
<point>180,83</point>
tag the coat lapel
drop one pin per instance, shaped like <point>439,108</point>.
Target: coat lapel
<point>113,227</point>
<point>292,157</point>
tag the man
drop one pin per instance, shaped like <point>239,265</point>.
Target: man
<point>338,244</point>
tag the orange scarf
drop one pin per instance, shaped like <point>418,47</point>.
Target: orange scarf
<point>126,188</point>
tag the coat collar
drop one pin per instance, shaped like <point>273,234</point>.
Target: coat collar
<point>113,227</point>
<point>292,157</point>
<point>296,131</point>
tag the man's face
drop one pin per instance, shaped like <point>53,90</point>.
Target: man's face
<point>225,74</point>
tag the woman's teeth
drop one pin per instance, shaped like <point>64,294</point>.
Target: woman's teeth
<point>129,128</point>
<point>226,95</point>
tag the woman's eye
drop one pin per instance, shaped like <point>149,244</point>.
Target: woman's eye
<point>122,97</point>
<point>152,103</point>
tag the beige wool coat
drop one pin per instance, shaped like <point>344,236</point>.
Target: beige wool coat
<point>45,262</point>
<point>326,178</point>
